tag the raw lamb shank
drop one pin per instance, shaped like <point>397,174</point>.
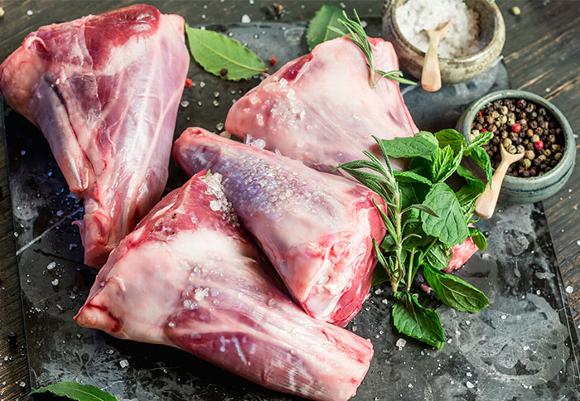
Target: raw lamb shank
<point>105,91</point>
<point>189,277</point>
<point>316,228</point>
<point>321,108</point>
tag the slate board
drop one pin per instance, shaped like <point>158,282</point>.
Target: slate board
<point>523,347</point>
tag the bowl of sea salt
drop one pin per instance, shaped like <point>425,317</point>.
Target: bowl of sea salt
<point>472,45</point>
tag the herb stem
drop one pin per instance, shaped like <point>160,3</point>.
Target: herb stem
<point>410,270</point>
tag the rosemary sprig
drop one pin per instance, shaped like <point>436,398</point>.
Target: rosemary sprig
<point>356,33</point>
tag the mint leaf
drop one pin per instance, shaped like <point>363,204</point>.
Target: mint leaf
<point>481,158</point>
<point>468,174</point>
<point>449,226</point>
<point>411,176</point>
<point>421,145</point>
<point>437,257</point>
<point>451,138</point>
<point>222,56</point>
<point>481,139</point>
<point>454,291</point>
<point>76,391</point>
<point>478,238</point>
<point>468,194</point>
<point>319,28</point>
<point>445,162</point>
<point>416,321</point>
<point>412,193</point>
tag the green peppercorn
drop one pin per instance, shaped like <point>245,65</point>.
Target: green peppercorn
<point>507,143</point>
<point>530,155</point>
<point>527,163</point>
<point>547,152</point>
<point>556,147</point>
<point>535,138</point>
<point>520,149</point>
<point>558,156</point>
<point>512,149</point>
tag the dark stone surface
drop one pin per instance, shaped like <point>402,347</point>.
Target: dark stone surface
<point>520,348</point>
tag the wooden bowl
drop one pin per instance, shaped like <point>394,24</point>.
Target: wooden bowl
<point>492,38</point>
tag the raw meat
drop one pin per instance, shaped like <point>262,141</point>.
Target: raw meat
<point>105,91</point>
<point>190,278</point>
<point>321,108</point>
<point>316,228</point>
<point>461,254</point>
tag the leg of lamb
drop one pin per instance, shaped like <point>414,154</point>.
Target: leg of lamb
<point>316,228</point>
<point>189,277</point>
<point>321,108</point>
<point>105,91</point>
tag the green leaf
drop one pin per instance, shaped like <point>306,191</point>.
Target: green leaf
<point>416,321</point>
<point>437,256</point>
<point>319,27</point>
<point>451,138</point>
<point>422,208</point>
<point>455,292</point>
<point>411,176</point>
<point>412,193</point>
<point>76,391</point>
<point>445,163</point>
<point>468,195</point>
<point>478,238</point>
<point>481,139</point>
<point>449,226</point>
<point>421,145</point>
<point>222,56</point>
<point>481,158</point>
<point>468,174</point>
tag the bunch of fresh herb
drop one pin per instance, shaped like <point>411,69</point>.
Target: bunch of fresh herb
<point>429,210</point>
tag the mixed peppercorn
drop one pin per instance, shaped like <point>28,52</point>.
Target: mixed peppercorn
<point>521,127</point>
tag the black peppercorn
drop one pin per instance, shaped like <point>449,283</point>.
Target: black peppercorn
<point>521,103</point>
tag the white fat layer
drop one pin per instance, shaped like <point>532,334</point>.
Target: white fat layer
<point>144,287</point>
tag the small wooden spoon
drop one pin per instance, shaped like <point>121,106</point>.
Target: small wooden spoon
<point>431,74</point>
<point>486,203</point>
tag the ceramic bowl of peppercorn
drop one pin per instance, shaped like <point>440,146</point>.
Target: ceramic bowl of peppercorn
<point>523,122</point>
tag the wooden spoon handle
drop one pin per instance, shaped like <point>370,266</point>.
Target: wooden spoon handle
<point>431,74</point>
<point>486,203</point>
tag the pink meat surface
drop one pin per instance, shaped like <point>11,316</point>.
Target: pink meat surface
<point>461,254</point>
<point>321,108</point>
<point>189,277</point>
<point>316,228</point>
<point>105,91</point>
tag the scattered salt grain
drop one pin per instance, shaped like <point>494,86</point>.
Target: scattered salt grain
<point>29,12</point>
<point>468,374</point>
<point>516,10</point>
<point>378,291</point>
<point>569,289</point>
<point>201,84</point>
<point>385,301</point>
<point>503,317</point>
<point>578,242</point>
<point>22,384</point>
<point>401,342</point>
<point>469,384</point>
<point>1,12</point>
<point>415,16</point>
<point>184,103</point>
<point>246,19</point>
<point>123,363</point>
<point>51,266</point>
<point>171,324</point>
<point>54,282</point>
<point>219,126</point>
<point>525,348</point>
<point>226,134</point>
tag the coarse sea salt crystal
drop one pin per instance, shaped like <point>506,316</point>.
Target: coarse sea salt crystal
<point>401,342</point>
<point>246,19</point>
<point>415,16</point>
